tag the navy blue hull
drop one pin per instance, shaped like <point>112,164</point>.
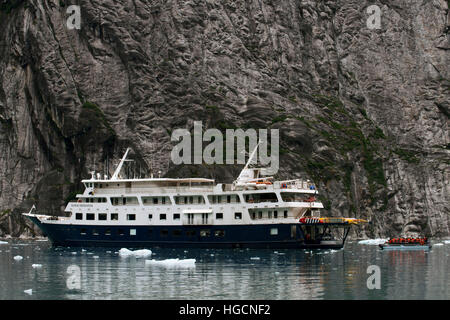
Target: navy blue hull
<point>198,236</point>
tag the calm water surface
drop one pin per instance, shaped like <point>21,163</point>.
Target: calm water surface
<point>223,274</point>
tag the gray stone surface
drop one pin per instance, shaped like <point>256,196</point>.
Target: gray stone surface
<point>364,113</point>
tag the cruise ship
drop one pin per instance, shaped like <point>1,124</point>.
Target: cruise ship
<point>252,212</point>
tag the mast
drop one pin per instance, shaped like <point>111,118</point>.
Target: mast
<point>250,158</point>
<point>119,167</point>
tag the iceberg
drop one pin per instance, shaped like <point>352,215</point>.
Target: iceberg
<point>373,241</point>
<point>136,253</point>
<point>18,258</point>
<point>172,263</point>
<point>29,291</point>
<point>447,241</point>
<point>36,265</point>
<point>3,242</point>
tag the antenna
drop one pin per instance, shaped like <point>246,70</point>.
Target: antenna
<point>107,165</point>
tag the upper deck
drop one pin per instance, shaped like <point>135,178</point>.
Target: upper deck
<point>254,180</point>
<point>190,185</point>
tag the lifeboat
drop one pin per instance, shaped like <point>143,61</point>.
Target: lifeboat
<point>406,243</point>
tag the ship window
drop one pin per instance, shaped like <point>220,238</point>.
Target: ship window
<point>269,215</point>
<point>190,233</point>
<point>293,231</point>
<point>83,232</point>
<point>164,233</point>
<point>155,200</point>
<point>132,232</point>
<point>285,214</point>
<point>150,216</point>
<point>102,216</point>
<point>162,216</point>
<point>79,216</point>
<point>219,233</point>
<point>107,232</point>
<point>219,215</point>
<point>131,217</point>
<point>259,214</point>
<point>124,201</point>
<point>120,232</point>
<point>205,233</point>
<point>275,214</point>
<point>261,197</point>
<point>253,215</point>
<point>238,215</point>
<point>176,233</point>
<point>295,196</point>
<point>90,216</point>
<point>176,216</point>
<point>228,199</point>
<point>114,216</point>
<point>95,232</point>
<point>273,231</point>
<point>191,199</point>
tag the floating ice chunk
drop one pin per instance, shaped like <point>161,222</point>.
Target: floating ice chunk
<point>373,241</point>
<point>83,250</point>
<point>136,253</point>
<point>18,258</point>
<point>438,244</point>
<point>36,265</point>
<point>108,251</point>
<point>255,258</point>
<point>29,291</point>
<point>95,257</point>
<point>3,242</point>
<point>74,253</point>
<point>447,241</point>
<point>172,263</point>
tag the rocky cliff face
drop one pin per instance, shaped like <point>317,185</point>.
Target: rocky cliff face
<point>363,112</point>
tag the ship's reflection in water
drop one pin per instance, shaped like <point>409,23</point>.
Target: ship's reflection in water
<point>223,274</point>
